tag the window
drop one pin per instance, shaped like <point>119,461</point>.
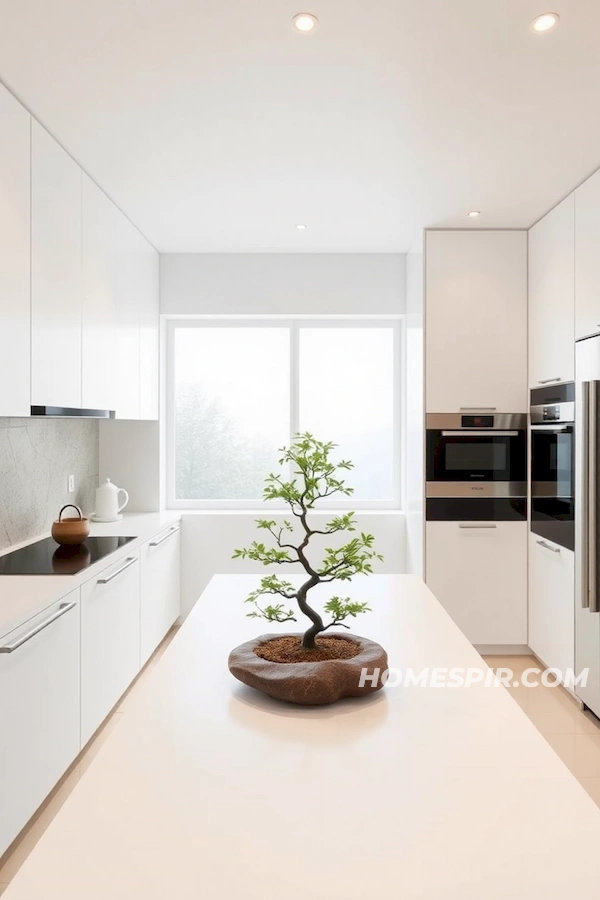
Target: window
<point>238,390</point>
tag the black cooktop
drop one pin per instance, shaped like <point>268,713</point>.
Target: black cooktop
<point>48,558</point>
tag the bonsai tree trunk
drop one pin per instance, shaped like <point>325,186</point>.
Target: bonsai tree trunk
<point>308,640</point>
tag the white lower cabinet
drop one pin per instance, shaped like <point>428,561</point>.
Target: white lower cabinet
<point>39,711</point>
<point>551,603</point>
<point>160,589</point>
<point>110,640</point>
<point>478,572</point>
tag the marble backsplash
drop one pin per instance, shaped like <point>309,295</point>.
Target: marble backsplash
<point>36,458</point>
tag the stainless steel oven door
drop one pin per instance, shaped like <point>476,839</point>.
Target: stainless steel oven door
<point>493,460</point>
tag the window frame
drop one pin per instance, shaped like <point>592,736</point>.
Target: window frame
<point>294,324</point>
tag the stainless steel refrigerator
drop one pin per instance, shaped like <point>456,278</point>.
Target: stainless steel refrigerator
<point>587,522</point>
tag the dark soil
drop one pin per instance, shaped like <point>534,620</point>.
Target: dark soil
<point>290,650</point>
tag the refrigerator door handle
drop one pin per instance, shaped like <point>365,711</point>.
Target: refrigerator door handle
<point>592,498</point>
<point>585,516</point>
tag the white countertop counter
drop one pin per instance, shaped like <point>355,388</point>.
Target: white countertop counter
<point>23,596</point>
<point>208,789</point>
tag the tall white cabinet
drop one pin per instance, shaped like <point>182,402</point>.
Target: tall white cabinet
<point>552,296</point>
<point>15,155</point>
<point>99,221</point>
<point>55,273</point>
<point>587,257</point>
<point>476,321</point>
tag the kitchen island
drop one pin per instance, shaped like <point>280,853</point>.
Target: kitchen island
<point>208,789</point>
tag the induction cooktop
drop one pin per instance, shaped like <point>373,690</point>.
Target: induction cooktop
<point>46,557</point>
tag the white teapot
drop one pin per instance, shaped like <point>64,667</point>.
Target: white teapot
<point>107,502</point>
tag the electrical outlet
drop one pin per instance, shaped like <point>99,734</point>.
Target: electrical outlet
<point>71,483</point>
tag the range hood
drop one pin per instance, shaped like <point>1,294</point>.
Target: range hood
<point>69,412</point>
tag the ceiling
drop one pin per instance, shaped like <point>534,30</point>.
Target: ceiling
<point>217,128</point>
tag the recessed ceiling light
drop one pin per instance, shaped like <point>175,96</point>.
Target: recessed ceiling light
<point>474,213</point>
<point>305,22</point>
<point>544,22</point>
<point>301,227</point>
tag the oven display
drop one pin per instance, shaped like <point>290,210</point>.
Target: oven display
<point>477,421</point>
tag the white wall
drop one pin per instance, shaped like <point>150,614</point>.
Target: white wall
<point>282,284</point>
<point>415,413</point>
<point>130,457</point>
<point>209,539</point>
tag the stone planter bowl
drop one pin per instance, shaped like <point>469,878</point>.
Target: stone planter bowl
<point>308,683</point>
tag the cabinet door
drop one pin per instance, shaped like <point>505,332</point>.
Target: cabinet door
<point>110,640</point>
<point>39,711</point>
<point>55,273</point>
<point>15,240</point>
<point>149,332</point>
<point>127,323</point>
<point>552,296</point>
<point>476,321</point>
<point>551,603</point>
<point>160,588</point>
<point>587,257</point>
<point>100,222</point>
<point>478,572</point>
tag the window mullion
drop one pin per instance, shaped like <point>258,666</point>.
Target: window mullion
<point>294,383</point>
<point>294,379</point>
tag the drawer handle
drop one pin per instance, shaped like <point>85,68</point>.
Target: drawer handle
<point>486,525</point>
<point>478,408</point>
<point>548,546</point>
<point>549,380</point>
<point>128,562</point>
<point>61,611</point>
<point>169,534</point>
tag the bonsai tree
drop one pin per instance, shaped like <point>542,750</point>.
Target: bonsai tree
<point>315,478</point>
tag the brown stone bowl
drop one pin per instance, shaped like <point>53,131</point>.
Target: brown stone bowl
<point>309,683</point>
<point>70,530</point>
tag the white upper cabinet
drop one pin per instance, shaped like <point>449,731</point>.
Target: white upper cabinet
<point>476,321</point>
<point>587,257</point>
<point>127,335</point>
<point>55,273</point>
<point>15,237</point>
<point>552,296</point>
<point>149,333</point>
<point>99,223</point>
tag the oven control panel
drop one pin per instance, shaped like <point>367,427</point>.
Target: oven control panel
<point>551,413</point>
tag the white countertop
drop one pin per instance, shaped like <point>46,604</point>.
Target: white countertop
<point>23,596</point>
<point>208,789</point>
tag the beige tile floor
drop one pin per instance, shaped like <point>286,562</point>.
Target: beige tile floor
<point>20,850</point>
<point>574,735</point>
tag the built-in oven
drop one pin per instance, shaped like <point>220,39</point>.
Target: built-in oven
<point>476,466</point>
<point>553,464</point>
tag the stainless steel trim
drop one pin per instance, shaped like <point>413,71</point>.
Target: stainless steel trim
<point>448,489</point>
<point>128,562</point>
<point>169,534</point>
<point>558,429</point>
<point>549,380</point>
<point>61,611</point>
<point>566,413</point>
<point>585,546</point>
<point>468,432</point>
<point>453,422</point>
<point>478,408</point>
<point>592,498</point>
<point>470,527</point>
<point>548,546</point>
